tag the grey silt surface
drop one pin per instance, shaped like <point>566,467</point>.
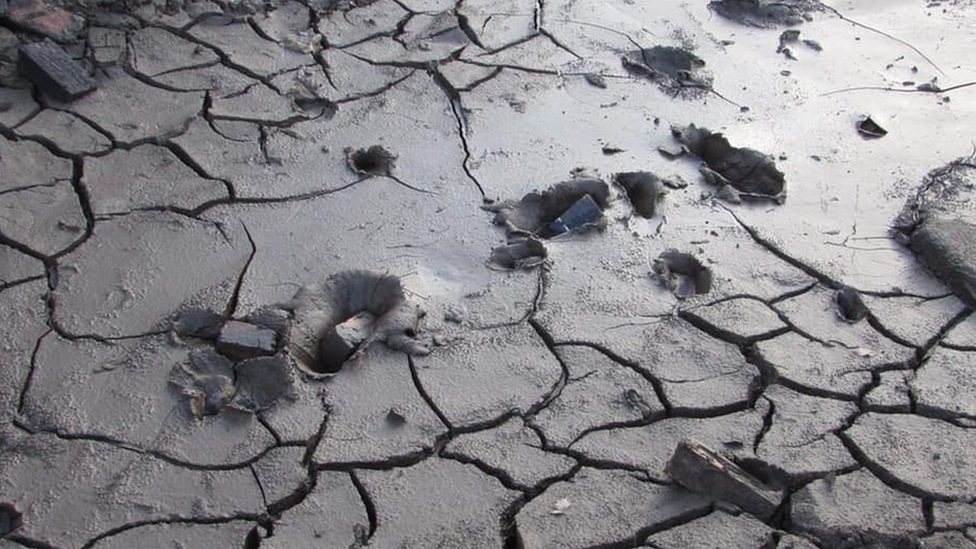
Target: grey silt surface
<point>160,236</point>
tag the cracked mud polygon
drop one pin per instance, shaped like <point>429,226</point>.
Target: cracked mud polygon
<point>405,274</point>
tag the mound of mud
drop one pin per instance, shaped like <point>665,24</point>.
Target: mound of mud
<point>536,212</point>
<point>319,309</point>
<point>750,172</point>
<point>766,14</point>
<point>643,190</point>
<point>938,224</point>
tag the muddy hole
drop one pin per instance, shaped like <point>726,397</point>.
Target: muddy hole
<point>643,189</point>
<point>336,321</point>
<point>766,13</point>
<point>372,161</point>
<point>741,171</point>
<point>682,273</point>
<point>571,206</point>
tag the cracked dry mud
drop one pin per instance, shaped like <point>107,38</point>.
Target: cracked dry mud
<point>159,384</point>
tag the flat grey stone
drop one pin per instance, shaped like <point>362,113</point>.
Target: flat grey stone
<point>801,440</point>
<point>929,456</point>
<point>605,507</point>
<point>856,507</point>
<point>513,449</point>
<point>133,379</point>
<point>650,447</point>
<point>332,515</point>
<point>53,71</point>
<point>133,112</point>
<point>241,340</point>
<point>945,385</point>
<point>361,397</point>
<point>244,48</point>
<point>66,131</point>
<point>740,321</point>
<point>431,503</point>
<point>914,320</point>
<point>702,470</point>
<point>152,249</point>
<point>82,489</point>
<point>829,370</point>
<point>262,382</point>
<point>489,373</point>
<point>717,529</point>
<point>893,394</point>
<point>599,392</point>
<point>698,372</point>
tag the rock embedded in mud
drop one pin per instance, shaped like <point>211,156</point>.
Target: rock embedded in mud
<point>752,173</point>
<point>683,273</point>
<point>850,304</point>
<point>669,66</point>
<point>870,128</point>
<point>536,211</point>
<point>948,247</point>
<point>200,323</point>
<point>54,72</point>
<point>643,190</point>
<point>213,393</point>
<point>699,469</point>
<point>520,254</point>
<point>342,341</point>
<point>241,340</point>
<point>260,382</point>
<point>582,213</point>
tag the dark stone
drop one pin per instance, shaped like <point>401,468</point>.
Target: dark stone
<point>643,190</point>
<point>54,71</point>
<point>852,307</point>
<point>701,470</point>
<point>869,127</point>
<point>200,323</point>
<point>683,273</point>
<point>521,254</point>
<point>240,341</point>
<point>339,343</point>
<point>10,519</point>
<point>948,247</point>
<point>583,212</point>
<point>394,420</point>
<point>595,80</point>
<point>209,362</point>
<point>766,13</point>
<point>263,381</point>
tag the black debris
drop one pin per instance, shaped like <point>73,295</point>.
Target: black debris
<point>869,127</point>
<point>241,340</point>
<point>596,80</point>
<point>643,190</point>
<point>372,161</point>
<point>852,307</point>
<point>766,13</point>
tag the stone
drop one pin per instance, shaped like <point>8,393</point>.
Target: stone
<point>201,323</point>
<point>717,529</point>
<point>261,382</point>
<point>925,456</point>
<point>583,212</point>
<point>512,449</point>
<point>598,392</point>
<point>605,508</point>
<point>54,71</point>
<point>241,340</point>
<point>700,469</point>
<point>856,508</point>
<point>648,448</point>
<point>343,339</point>
<point>47,18</point>
<point>431,504</point>
<point>10,519</point>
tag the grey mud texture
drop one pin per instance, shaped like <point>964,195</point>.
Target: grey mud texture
<point>404,274</point>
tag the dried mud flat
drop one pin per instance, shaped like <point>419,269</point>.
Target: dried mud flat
<point>488,274</point>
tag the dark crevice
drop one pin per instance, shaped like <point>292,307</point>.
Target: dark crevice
<point>928,514</point>
<point>542,284</point>
<point>122,445</point>
<point>199,210</point>
<point>232,304</point>
<point>654,381</point>
<point>257,480</point>
<point>508,524</point>
<point>269,428</point>
<point>767,425</point>
<point>189,162</point>
<point>557,387</point>
<point>457,109</point>
<point>426,396</point>
<point>21,399</point>
<point>30,543</point>
<point>498,474</point>
<point>202,520</point>
<point>367,503</point>
<point>312,444</point>
<point>277,508</point>
<point>936,340</point>
<point>728,336</point>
